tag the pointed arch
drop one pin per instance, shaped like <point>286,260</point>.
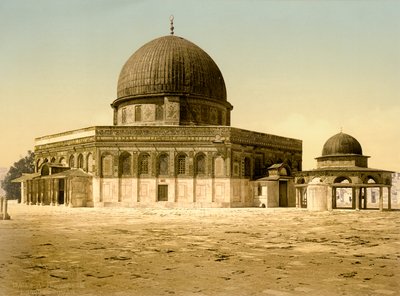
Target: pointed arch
<point>342,179</point>
<point>89,163</point>
<point>63,161</point>
<point>163,164</point>
<point>106,165</point>
<point>247,167</point>
<point>144,164</point>
<point>71,161</point>
<point>80,163</point>
<point>181,162</point>
<point>219,166</point>
<point>200,167</point>
<point>125,164</point>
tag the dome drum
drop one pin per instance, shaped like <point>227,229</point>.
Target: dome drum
<point>171,110</point>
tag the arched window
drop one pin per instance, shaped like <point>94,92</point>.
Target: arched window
<point>53,159</point>
<point>80,161</point>
<point>159,112</point>
<point>144,164</point>
<point>125,164</point>
<point>181,165</point>
<point>123,115</point>
<point>300,181</point>
<point>45,170</point>
<point>163,164</point>
<point>63,161</point>
<point>89,163</point>
<point>138,113</point>
<point>219,164</point>
<point>38,163</point>
<point>247,167</point>
<point>342,179</point>
<point>258,167</point>
<point>200,165</point>
<point>107,165</point>
<point>71,161</point>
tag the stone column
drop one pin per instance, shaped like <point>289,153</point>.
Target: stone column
<point>365,197</point>
<point>381,198</point>
<point>329,197</point>
<point>297,197</point>
<point>42,190</point>
<point>70,193</point>
<point>56,189</point>
<point>37,192</point>
<point>334,198</point>
<point>66,192</point>
<point>357,197</point>
<point>353,198</point>
<point>389,198</point>
<point>5,214</point>
<point>29,192</point>
<point>51,190</point>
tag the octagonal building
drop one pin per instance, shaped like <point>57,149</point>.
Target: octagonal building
<point>170,145</point>
<point>343,180</point>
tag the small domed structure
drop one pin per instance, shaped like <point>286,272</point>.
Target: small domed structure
<point>342,150</point>
<point>171,81</point>
<point>342,178</point>
<point>341,144</point>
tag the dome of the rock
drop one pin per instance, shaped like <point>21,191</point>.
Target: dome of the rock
<point>171,81</point>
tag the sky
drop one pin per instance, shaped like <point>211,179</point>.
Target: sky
<point>300,69</point>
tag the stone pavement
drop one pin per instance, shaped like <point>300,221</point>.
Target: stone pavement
<point>110,251</point>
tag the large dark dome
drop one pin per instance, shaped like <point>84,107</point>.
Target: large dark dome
<point>171,65</point>
<point>341,144</point>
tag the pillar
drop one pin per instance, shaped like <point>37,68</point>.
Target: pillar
<point>353,198</point>
<point>66,192</point>
<point>365,197</point>
<point>357,197</point>
<point>42,189</point>
<point>56,190</point>
<point>381,198</point>
<point>23,199</point>
<point>297,197</point>
<point>70,193</point>
<point>329,197</point>
<point>5,215</point>
<point>334,200</point>
<point>29,192</point>
<point>51,191</point>
<point>37,192</point>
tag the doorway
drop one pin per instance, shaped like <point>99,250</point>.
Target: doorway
<point>283,197</point>
<point>162,193</point>
<point>61,186</point>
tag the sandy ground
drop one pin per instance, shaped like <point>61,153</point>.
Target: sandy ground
<point>111,251</point>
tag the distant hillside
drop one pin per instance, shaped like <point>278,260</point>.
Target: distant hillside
<point>3,173</point>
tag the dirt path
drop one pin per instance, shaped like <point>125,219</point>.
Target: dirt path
<point>61,251</point>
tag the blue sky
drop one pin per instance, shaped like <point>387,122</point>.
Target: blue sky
<point>301,69</point>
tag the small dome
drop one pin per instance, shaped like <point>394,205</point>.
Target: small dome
<point>341,144</point>
<point>171,65</point>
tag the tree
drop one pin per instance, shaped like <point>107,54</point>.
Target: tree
<point>24,165</point>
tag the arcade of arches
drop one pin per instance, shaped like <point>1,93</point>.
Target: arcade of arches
<point>343,180</point>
